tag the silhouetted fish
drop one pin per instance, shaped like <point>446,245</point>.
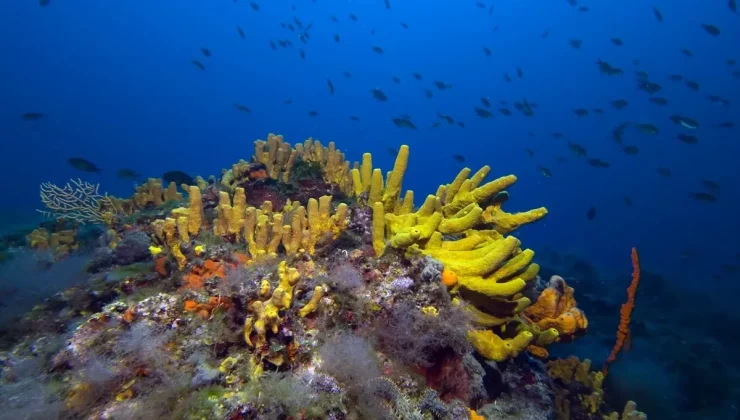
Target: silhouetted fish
<point>591,213</point>
<point>617,41</point>
<point>330,85</point>
<point>628,201</point>
<point>199,65</point>
<point>712,186</point>
<point>575,43</point>
<point>631,150</point>
<point>404,122</point>
<point>125,173</point>
<point>688,139</point>
<point>377,50</point>
<point>240,31</point>
<point>545,171</point>
<point>664,172</point>
<point>32,116</point>
<point>379,95</point>
<point>483,113</point>
<point>658,14</point>
<point>710,29</point>
<point>178,177</point>
<point>598,163</point>
<point>243,108</point>
<point>83,165</point>
<point>702,196</point>
<point>206,52</point>
<point>619,103</point>
<point>459,158</point>
<point>255,6</point>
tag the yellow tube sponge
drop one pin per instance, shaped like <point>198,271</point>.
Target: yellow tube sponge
<point>378,228</point>
<point>376,187</point>
<point>508,222</point>
<point>395,179</point>
<point>463,220</point>
<point>493,347</point>
<point>195,211</point>
<point>495,255</point>
<point>514,266</point>
<point>467,195</point>
<point>312,304</point>
<point>366,171</point>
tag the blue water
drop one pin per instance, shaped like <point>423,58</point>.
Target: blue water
<point>116,83</point>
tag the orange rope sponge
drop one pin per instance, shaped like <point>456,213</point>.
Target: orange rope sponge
<point>623,332</point>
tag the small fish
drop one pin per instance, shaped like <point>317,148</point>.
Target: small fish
<point>583,8</point>
<point>712,186</point>
<point>330,85</point>
<point>545,34</point>
<point>664,172</point>
<point>83,165</point>
<point>575,43</point>
<point>242,108</point>
<point>649,129</point>
<point>32,116</point>
<point>702,196</point>
<point>505,111</point>
<point>507,77</point>
<point>597,111</point>
<point>726,124</point>
<point>273,45</point>
<point>642,75</point>
<point>428,93</point>
<point>178,177</point>
<point>627,201</point>
<point>617,41</point>
<point>598,163</point>
<point>545,171</point>
<point>334,19</point>
<point>459,158</point>
<point>44,3</point>
<point>392,152</point>
<point>658,100</point>
<point>529,151</point>
<point>396,79</point>
<point>240,31</point>
<point>379,95</point>
<point>404,122</point>
<point>387,4</point>
<point>480,5</point>
<point>687,122</point>
<point>287,101</point>
<point>417,76</point>
<point>487,51</point>
<point>716,99</point>
<point>591,213</point>
<point>631,150</point>
<point>483,113</point>
<point>560,159</point>
<point>347,74</point>
<point>577,149</point>
<point>688,139</point>
<point>337,38</point>
<point>485,101</point>
<point>377,50</point>
<point>255,6</point>
<point>732,5</point>
<point>519,73</point>
<point>441,85</point>
<point>675,77</point>
<point>648,86</point>
<point>461,124</point>
<point>404,25</point>
<point>619,103</point>
<point>297,22</point>
<point>449,120</point>
<point>557,135</point>
<point>302,54</point>
<point>687,52</point>
<point>125,173</point>
<point>206,52</point>
<point>710,29</point>
<point>658,14</point>
<point>692,85</point>
<point>354,118</point>
<point>313,113</point>
<point>199,65</point>
<point>353,17</point>
<point>580,112</point>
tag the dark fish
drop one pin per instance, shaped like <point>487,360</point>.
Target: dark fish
<point>83,165</point>
<point>417,76</point>
<point>591,213</point>
<point>580,112</point>
<point>688,139</point>
<point>619,103</point>
<point>487,51</point>
<point>687,52</point>
<point>642,75</point>
<point>702,196</point>
<point>273,45</point>
<point>575,43</point>
<point>441,85</point>
<point>597,111</point>
<point>461,124</point>
<point>507,77</point>
<point>287,101</point>
<point>354,118</point>
<point>178,177</point>
<point>379,95</point>
<point>710,29</point>
<point>648,86</point>
<point>726,124</point>
<point>530,152</point>
<point>242,108</point>
<point>437,125</point>
<point>44,3</point>
<point>560,159</point>
<point>577,149</point>
<point>692,85</point>
<point>712,186</point>
<point>459,158</point>
<point>428,93</point>
<point>485,101</point>
<point>387,4</point>
<point>658,14</point>
<point>716,99</point>
<point>647,129</point>
<point>240,31</point>
<point>495,28</point>
<point>313,113</point>
<point>404,122</point>
<point>505,111</point>
<point>732,5</point>
<point>404,25</point>
<point>731,62</point>
<point>583,9</point>
<point>125,173</point>
<point>449,120</point>
<point>392,152</point>
<point>297,22</point>
<point>557,135</point>
<point>631,150</point>
<point>32,116</point>
<point>483,113</point>
<point>573,2</point>
<point>675,77</point>
<point>302,54</point>
<point>396,79</point>
<point>598,163</point>
<point>330,85</point>
<point>347,74</point>
<point>628,201</point>
<point>334,19</point>
<point>337,38</point>
<point>617,41</point>
<point>687,122</point>
<point>255,6</point>
<point>199,65</point>
<point>378,50</point>
<point>664,172</point>
<point>480,5</point>
<point>519,73</point>
<point>545,171</point>
<point>206,51</point>
<point>658,100</point>
<point>353,17</point>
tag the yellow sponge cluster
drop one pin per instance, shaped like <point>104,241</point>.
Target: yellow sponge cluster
<point>183,223</point>
<point>453,227</point>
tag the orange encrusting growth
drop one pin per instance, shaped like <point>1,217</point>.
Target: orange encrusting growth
<point>625,313</point>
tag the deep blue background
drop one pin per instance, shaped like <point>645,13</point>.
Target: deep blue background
<point>116,82</point>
